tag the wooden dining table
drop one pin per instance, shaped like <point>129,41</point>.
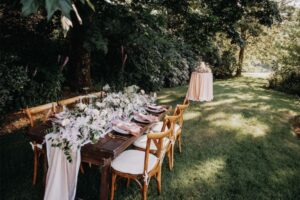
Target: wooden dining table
<point>101,153</point>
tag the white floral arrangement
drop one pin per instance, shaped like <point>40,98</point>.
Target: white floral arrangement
<point>89,122</point>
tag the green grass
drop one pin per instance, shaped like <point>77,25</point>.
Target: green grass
<point>239,146</point>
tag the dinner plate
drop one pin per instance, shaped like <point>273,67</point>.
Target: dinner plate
<point>155,107</point>
<point>154,111</point>
<point>139,119</point>
<point>119,130</point>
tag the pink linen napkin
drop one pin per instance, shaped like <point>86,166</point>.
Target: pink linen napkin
<point>155,107</point>
<point>149,118</point>
<point>133,128</point>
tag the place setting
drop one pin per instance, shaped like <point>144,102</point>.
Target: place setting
<point>156,109</point>
<point>125,128</point>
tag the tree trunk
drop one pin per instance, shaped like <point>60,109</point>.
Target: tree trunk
<point>79,73</point>
<point>241,54</point>
<point>240,62</point>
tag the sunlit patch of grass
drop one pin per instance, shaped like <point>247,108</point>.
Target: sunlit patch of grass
<point>206,171</point>
<point>219,103</point>
<point>282,175</point>
<point>246,126</point>
<point>192,115</point>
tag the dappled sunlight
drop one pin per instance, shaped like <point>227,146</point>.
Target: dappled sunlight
<point>292,145</point>
<point>265,97</point>
<point>161,97</point>
<point>206,171</point>
<point>282,176</point>
<point>167,101</point>
<point>245,126</point>
<point>219,103</point>
<point>191,115</point>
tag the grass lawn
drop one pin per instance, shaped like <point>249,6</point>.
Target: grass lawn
<point>239,146</point>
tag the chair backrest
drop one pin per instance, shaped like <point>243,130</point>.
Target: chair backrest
<point>158,140</point>
<point>46,109</point>
<point>74,100</point>
<point>68,102</point>
<point>180,109</point>
<point>186,102</point>
<point>170,121</point>
<point>98,94</point>
<point>88,98</point>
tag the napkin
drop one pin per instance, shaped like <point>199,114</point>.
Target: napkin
<point>149,118</point>
<point>133,128</point>
<point>155,107</point>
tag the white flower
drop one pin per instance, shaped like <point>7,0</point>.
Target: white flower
<point>100,105</point>
<point>95,112</point>
<point>142,92</point>
<point>154,95</point>
<point>81,106</point>
<point>65,122</point>
<point>106,88</point>
<point>97,136</point>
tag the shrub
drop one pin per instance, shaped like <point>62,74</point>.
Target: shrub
<point>226,67</point>
<point>288,82</point>
<point>12,82</point>
<point>20,87</point>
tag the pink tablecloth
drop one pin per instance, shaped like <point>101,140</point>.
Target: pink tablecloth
<point>201,87</point>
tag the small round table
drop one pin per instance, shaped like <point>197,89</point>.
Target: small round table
<point>200,87</point>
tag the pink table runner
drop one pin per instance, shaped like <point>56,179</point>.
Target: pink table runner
<point>201,87</point>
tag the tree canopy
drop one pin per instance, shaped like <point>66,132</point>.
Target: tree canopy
<point>124,42</point>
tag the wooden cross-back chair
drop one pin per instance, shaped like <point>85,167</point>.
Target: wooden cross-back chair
<point>186,101</point>
<point>43,112</point>
<point>141,166</point>
<point>169,122</point>
<point>47,110</point>
<point>84,99</point>
<point>70,102</point>
<point>178,127</point>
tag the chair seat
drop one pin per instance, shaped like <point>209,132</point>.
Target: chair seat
<point>158,126</point>
<point>141,142</point>
<point>132,162</point>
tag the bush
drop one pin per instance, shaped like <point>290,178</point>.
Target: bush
<point>288,82</point>
<point>226,67</point>
<point>12,82</point>
<point>287,69</point>
<point>20,87</point>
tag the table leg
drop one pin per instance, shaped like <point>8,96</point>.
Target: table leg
<point>104,185</point>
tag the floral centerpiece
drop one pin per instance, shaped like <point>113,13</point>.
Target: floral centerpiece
<point>89,122</point>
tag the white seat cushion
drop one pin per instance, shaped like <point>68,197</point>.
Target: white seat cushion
<point>141,142</point>
<point>158,126</point>
<point>132,162</point>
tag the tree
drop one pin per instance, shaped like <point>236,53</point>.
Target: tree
<point>256,14</point>
<point>241,20</point>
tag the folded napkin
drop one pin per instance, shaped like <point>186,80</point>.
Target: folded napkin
<point>133,128</point>
<point>148,118</point>
<point>155,107</point>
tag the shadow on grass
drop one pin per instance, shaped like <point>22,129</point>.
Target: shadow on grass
<point>238,146</point>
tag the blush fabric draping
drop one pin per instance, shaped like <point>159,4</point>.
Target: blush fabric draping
<point>62,175</point>
<point>200,87</point>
